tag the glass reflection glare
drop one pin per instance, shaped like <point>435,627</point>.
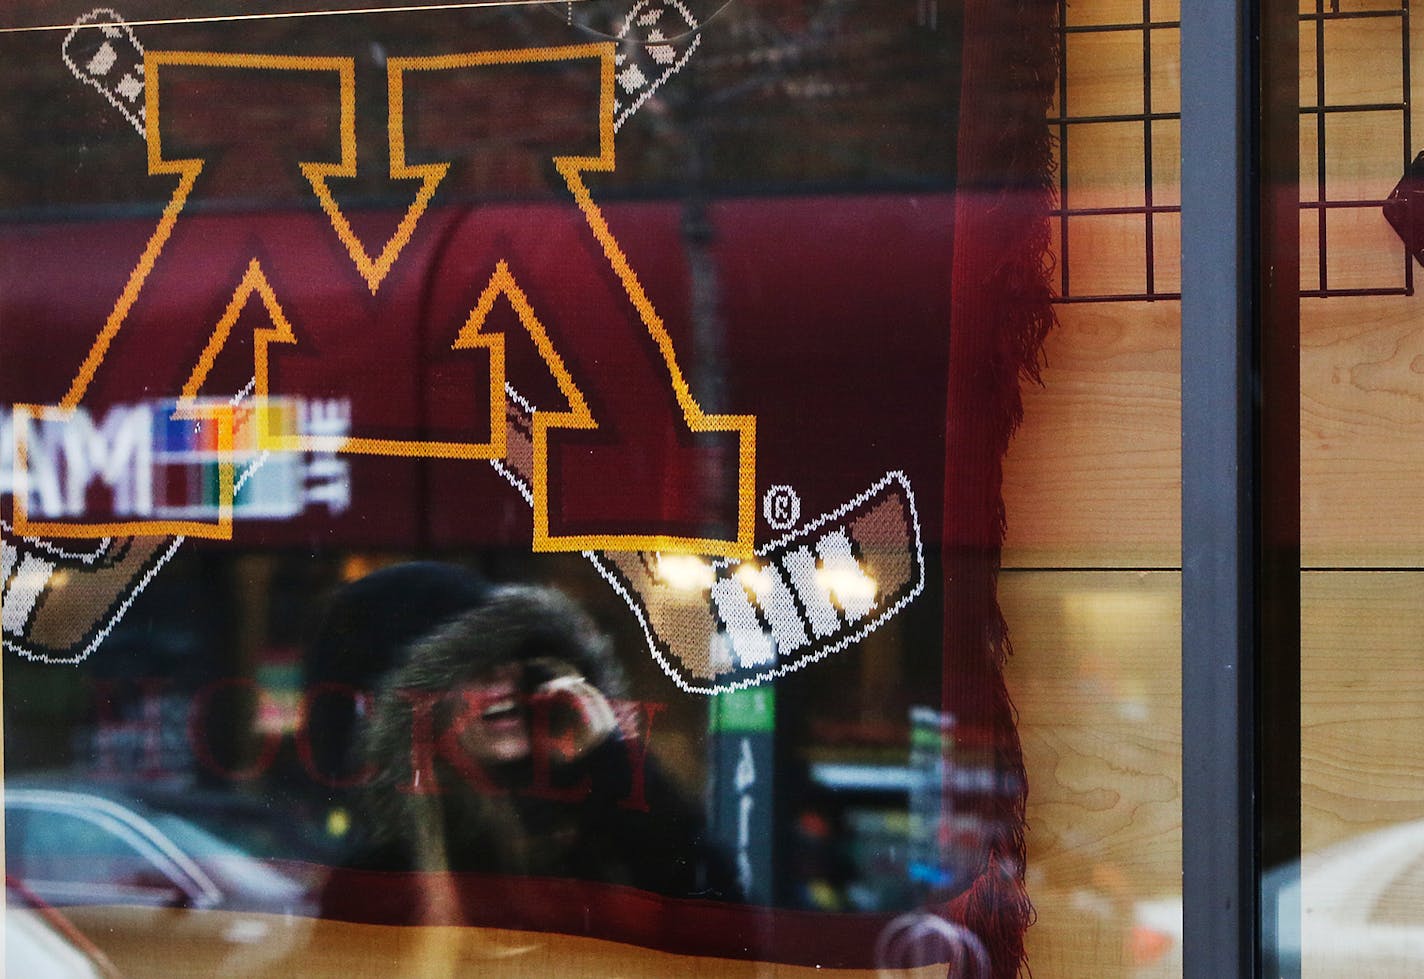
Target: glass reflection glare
<point>685,572</point>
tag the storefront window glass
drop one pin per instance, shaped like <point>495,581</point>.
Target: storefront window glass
<point>1360,529</point>
<point>554,487</point>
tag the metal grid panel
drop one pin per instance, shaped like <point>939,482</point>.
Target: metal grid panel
<point>1332,117</point>
<point>1139,223</point>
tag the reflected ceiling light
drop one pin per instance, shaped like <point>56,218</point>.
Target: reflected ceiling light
<point>850,587</point>
<point>685,572</point>
<point>754,578</point>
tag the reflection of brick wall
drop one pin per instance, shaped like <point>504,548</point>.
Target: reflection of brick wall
<point>140,730</point>
<point>783,94</point>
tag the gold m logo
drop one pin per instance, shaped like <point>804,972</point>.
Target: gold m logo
<point>504,279</point>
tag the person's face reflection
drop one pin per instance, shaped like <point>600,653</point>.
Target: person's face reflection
<point>499,731</point>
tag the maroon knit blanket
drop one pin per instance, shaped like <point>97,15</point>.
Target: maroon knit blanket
<point>724,306</point>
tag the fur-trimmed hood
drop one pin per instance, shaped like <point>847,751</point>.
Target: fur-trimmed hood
<point>515,623</point>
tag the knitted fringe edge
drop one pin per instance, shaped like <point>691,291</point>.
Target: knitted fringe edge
<point>1015,155</point>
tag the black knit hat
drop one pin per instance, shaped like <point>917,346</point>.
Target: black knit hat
<point>515,623</point>
<point>368,627</point>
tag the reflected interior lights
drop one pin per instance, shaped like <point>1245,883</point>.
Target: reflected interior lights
<point>754,578</point>
<point>849,586</point>
<point>685,572</point>
<point>31,579</point>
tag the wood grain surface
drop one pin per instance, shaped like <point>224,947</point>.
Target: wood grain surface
<point>1362,703</point>
<point>1093,478</point>
<point>1362,432</point>
<point>1096,677</point>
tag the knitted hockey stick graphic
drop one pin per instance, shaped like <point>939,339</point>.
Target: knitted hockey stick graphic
<point>653,46</point>
<point>108,58</point>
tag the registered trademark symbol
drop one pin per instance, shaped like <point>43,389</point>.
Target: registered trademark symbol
<point>781,507</point>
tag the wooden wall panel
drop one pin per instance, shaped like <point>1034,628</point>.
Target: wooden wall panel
<point>1362,718</point>
<point>1362,390</point>
<point>1093,478</point>
<point>1362,703</point>
<point>1096,679</point>
<point>1362,432</point>
<point>1092,489</point>
<point>1119,11</point>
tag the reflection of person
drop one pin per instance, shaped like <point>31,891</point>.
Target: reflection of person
<point>498,749</point>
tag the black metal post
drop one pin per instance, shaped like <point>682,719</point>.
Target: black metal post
<point>1240,478</point>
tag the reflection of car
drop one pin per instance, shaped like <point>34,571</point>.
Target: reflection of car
<point>39,941</point>
<point>125,874</point>
<point>270,828</point>
<point>83,848</point>
<point>1355,911</point>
